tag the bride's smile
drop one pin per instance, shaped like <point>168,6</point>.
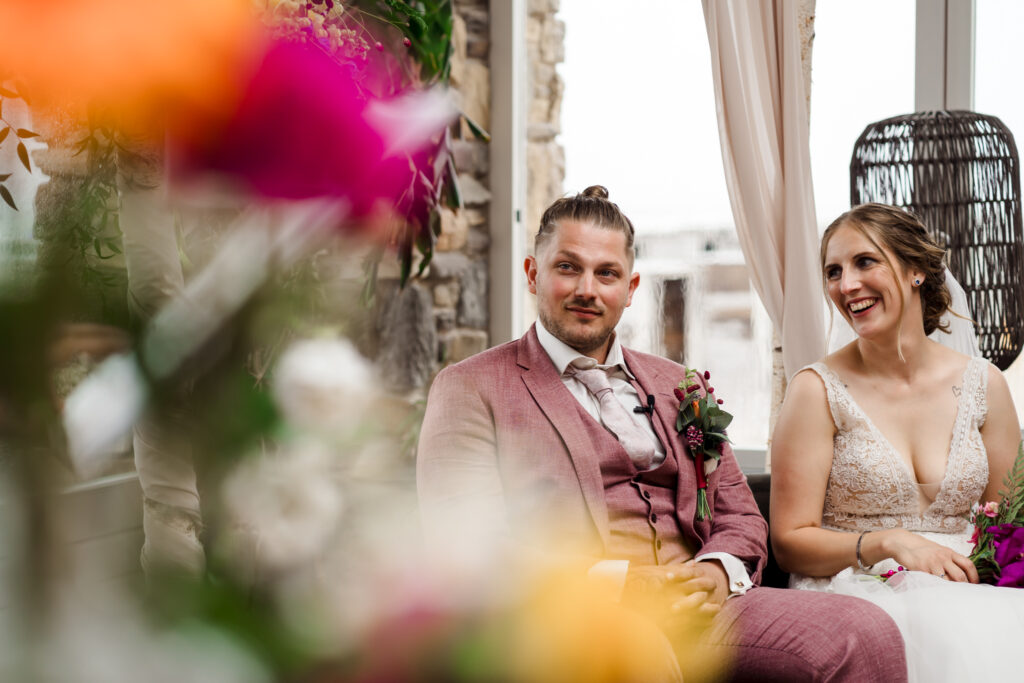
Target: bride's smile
<point>859,306</point>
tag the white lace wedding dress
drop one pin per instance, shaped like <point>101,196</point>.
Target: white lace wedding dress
<point>953,631</point>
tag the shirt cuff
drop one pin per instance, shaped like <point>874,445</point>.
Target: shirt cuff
<point>611,574</point>
<point>739,580</point>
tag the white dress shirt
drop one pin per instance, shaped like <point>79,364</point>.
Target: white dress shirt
<point>619,376</point>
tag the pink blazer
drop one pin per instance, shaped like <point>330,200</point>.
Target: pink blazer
<point>503,453</point>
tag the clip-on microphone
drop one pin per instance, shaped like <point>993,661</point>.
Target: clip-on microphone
<point>649,408</point>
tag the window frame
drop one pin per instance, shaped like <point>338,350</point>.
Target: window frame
<point>944,55</point>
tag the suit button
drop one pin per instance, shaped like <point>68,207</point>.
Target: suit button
<point>646,494</point>
<point>654,518</point>
<point>657,544</point>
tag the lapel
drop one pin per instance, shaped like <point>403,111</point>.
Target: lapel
<point>559,406</point>
<point>666,407</point>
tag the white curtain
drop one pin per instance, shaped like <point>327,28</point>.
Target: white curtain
<point>762,102</point>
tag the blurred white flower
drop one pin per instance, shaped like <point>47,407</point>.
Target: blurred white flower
<point>282,508</point>
<point>325,385</point>
<point>101,410</point>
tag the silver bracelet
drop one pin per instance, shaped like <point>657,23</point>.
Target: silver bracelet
<point>860,560</point>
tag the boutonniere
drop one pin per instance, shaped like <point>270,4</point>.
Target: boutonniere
<point>701,423</point>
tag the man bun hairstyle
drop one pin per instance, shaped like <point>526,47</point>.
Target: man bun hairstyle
<point>902,234</point>
<point>591,206</point>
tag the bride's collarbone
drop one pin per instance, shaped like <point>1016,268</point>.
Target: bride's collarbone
<point>925,391</point>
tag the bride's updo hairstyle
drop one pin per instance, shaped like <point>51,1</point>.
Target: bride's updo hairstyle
<point>903,235</point>
<point>589,206</point>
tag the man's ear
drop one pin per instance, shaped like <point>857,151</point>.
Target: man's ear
<point>634,281</point>
<point>530,266</point>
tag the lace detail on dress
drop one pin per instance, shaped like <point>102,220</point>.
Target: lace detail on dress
<point>870,487</point>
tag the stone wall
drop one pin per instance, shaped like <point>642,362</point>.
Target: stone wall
<point>458,275</point>
<point>545,158</point>
<point>443,318</point>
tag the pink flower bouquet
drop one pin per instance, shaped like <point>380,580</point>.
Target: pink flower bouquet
<point>999,532</point>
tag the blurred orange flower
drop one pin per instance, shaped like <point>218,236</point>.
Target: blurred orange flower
<point>135,58</point>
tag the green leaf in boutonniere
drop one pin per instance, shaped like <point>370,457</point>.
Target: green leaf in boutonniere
<point>701,423</point>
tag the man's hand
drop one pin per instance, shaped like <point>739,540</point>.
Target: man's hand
<point>701,586</point>
<point>709,576</point>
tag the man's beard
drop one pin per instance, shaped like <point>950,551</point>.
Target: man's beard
<point>585,341</point>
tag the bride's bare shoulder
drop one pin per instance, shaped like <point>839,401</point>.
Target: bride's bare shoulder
<point>947,361</point>
<point>806,389</point>
<point>842,361</point>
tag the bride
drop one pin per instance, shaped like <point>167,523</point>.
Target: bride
<point>883,446</point>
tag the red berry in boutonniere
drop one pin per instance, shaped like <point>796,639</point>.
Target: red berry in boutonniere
<point>701,424</point>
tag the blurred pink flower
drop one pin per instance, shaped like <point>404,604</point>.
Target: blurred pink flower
<point>991,509</point>
<point>1008,541</point>
<point>304,128</point>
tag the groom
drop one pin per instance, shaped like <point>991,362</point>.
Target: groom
<point>564,441</point>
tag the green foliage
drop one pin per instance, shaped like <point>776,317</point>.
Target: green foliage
<point>427,24</point>
<point>6,195</point>
<point>475,128</point>
<point>90,222</point>
<point>20,134</point>
<point>97,231</point>
<point>1012,507</point>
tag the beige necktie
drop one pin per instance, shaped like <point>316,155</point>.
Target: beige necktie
<point>614,416</point>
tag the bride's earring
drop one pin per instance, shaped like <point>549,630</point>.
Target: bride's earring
<point>917,282</point>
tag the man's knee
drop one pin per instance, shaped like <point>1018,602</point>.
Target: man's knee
<point>800,635</point>
<point>871,640</point>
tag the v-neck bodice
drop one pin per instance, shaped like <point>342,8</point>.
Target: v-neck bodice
<point>870,485</point>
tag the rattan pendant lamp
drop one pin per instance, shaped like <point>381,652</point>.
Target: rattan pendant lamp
<point>959,172</point>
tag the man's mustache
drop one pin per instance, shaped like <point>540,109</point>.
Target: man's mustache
<point>584,303</point>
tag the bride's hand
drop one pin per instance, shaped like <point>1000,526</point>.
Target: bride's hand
<point>919,554</point>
